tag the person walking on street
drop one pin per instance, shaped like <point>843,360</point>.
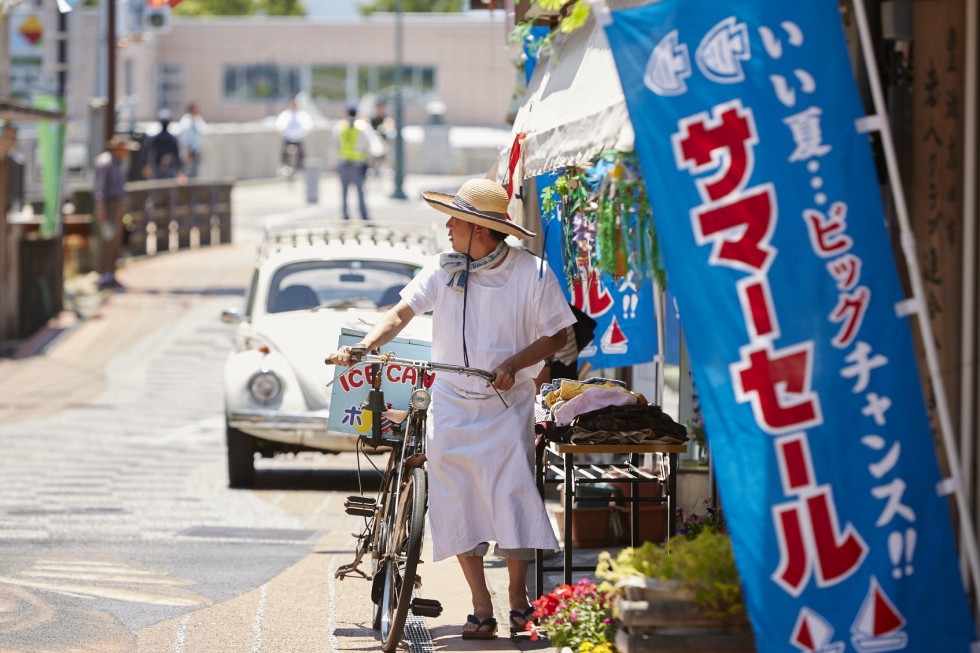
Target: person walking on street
<point>161,158</point>
<point>293,124</point>
<point>493,307</point>
<point>111,172</point>
<point>191,137</point>
<point>354,147</point>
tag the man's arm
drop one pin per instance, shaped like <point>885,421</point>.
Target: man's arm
<point>537,351</point>
<point>389,326</point>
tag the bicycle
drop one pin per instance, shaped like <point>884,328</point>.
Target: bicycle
<point>291,160</point>
<point>395,519</point>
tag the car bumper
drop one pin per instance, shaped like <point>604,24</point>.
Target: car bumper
<point>305,429</point>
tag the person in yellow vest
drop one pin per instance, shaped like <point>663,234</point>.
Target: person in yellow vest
<point>352,138</point>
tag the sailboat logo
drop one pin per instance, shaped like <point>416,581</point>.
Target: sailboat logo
<point>812,634</point>
<point>879,624</point>
<point>614,340</point>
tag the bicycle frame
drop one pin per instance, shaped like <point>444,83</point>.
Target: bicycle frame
<point>393,534</point>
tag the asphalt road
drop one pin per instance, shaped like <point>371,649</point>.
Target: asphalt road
<point>117,529</point>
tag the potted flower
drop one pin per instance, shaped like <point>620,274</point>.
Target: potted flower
<point>576,618</point>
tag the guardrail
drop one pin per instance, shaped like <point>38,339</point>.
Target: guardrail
<point>162,215</point>
<point>166,216</point>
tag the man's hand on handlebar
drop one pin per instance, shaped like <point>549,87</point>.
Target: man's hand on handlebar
<point>503,378</point>
<point>347,356</point>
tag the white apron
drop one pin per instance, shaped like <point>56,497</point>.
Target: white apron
<point>481,473</point>
<point>481,454</point>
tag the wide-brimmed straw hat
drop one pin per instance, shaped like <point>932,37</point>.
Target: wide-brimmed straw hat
<point>480,201</point>
<point>122,141</point>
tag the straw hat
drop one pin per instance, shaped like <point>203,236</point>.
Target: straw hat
<point>480,201</point>
<point>122,141</point>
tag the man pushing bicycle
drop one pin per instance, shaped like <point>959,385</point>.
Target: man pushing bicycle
<point>492,308</point>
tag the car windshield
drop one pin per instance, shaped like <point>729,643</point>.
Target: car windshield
<point>338,284</point>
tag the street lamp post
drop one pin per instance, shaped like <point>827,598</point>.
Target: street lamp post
<point>110,45</point>
<point>398,193</point>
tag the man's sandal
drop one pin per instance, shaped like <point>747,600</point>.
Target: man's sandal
<point>520,619</point>
<point>478,633</point>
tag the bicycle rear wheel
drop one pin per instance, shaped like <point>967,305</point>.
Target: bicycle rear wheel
<point>402,558</point>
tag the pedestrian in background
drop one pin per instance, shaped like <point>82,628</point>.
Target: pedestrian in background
<point>353,140</point>
<point>111,172</point>
<point>293,125</point>
<point>480,450</point>
<point>383,127</point>
<point>161,157</point>
<point>191,136</point>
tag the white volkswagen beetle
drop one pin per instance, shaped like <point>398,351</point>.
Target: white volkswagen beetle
<point>310,281</point>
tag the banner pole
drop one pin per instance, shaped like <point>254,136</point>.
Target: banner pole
<point>916,305</point>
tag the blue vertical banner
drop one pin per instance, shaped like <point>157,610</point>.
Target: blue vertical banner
<point>748,131</point>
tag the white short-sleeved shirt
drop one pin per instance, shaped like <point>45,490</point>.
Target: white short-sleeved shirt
<point>480,453</point>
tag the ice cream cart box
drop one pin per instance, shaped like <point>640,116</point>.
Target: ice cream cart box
<point>350,390</point>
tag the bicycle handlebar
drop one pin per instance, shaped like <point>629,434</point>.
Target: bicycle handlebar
<point>361,355</point>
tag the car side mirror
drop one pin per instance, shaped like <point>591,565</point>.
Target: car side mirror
<point>231,316</point>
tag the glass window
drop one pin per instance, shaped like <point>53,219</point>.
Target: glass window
<point>329,83</point>
<point>261,82</point>
<point>338,285</point>
<point>170,86</point>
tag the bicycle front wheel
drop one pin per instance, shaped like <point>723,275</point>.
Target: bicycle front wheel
<point>402,559</point>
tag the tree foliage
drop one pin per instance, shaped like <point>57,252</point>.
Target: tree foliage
<point>240,8</point>
<point>413,6</point>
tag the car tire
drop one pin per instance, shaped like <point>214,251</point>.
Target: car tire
<point>241,458</point>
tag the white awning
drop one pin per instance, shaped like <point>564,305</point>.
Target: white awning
<point>574,106</point>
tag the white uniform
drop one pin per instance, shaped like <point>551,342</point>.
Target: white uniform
<point>481,454</point>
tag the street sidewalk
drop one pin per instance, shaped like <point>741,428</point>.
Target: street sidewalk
<point>64,365</point>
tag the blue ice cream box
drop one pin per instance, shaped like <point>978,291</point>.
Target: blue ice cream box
<point>350,390</point>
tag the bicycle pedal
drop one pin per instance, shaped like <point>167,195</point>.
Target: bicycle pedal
<point>363,501</point>
<point>360,511</point>
<point>426,607</point>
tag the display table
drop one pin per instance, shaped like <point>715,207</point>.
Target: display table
<point>556,463</point>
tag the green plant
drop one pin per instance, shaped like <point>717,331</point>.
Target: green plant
<point>606,219</point>
<point>572,15</point>
<point>578,616</point>
<point>703,566</point>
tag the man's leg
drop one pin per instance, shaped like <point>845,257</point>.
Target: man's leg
<point>361,176</point>
<point>517,590</point>
<point>476,579</point>
<point>344,173</point>
<point>110,247</point>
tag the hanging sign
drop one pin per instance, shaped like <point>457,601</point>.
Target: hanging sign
<point>32,29</point>
<point>625,333</point>
<point>748,131</point>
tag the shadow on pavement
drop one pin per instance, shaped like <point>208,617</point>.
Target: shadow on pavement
<point>333,480</point>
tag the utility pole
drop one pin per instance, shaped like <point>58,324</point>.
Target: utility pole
<point>398,193</point>
<point>110,47</point>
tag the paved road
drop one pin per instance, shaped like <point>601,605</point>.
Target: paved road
<point>117,529</point>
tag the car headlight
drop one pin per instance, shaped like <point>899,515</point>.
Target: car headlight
<point>420,399</point>
<point>265,387</point>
